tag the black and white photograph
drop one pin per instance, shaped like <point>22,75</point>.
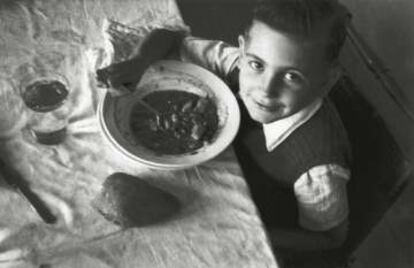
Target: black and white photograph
<point>206,133</point>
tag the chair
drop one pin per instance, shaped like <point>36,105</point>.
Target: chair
<point>379,168</point>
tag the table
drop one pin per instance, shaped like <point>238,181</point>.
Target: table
<point>218,225</point>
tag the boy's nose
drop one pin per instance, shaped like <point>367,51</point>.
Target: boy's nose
<point>271,86</point>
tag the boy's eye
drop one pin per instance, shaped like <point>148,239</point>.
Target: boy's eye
<point>256,65</point>
<point>294,77</point>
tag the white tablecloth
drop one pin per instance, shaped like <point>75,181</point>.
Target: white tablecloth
<point>218,225</point>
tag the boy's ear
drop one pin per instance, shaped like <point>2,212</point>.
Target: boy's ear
<point>335,74</point>
<point>242,43</point>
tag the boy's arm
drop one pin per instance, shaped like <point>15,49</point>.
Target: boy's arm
<point>321,196</point>
<point>216,56</point>
<point>156,46</point>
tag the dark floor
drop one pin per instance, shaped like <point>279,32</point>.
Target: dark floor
<point>391,243</point>
<point>213,19</point>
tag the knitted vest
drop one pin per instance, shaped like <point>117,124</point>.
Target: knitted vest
<point>271,175</point>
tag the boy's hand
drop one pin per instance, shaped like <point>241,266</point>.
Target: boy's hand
<point>121,78</point>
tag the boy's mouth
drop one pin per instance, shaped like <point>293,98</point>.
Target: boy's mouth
<point>268,107</point>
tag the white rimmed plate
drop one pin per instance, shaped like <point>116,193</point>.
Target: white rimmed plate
<point>114,114</point>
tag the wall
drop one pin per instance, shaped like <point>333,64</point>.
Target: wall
<point>216,19</point>
<point>387,26</point>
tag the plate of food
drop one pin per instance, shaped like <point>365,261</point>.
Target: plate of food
<point>179,115</point>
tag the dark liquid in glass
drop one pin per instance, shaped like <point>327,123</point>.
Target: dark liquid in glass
<point>45,96</point>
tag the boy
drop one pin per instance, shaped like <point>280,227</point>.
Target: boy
<point>292,146</point>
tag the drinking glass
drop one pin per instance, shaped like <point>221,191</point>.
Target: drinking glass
<point>46,96</point>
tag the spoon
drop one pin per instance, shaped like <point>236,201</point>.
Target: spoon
<point>149,107</point>
<point>142,102</point>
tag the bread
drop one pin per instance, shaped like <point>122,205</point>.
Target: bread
<point>132,202</point>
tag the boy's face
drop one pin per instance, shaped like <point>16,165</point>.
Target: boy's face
<point>279,74</point>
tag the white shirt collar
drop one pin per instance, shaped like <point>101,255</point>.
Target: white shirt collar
<point>276,132</point>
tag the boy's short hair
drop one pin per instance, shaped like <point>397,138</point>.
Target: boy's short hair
<point>303,18</point>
